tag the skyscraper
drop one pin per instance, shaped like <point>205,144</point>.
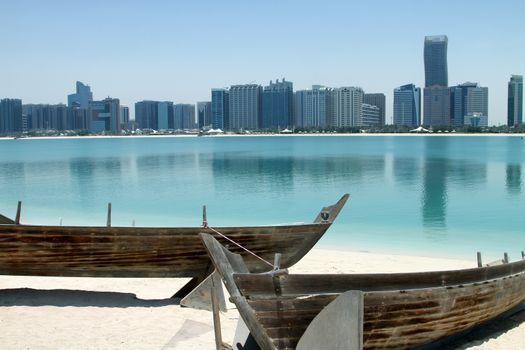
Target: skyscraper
<point>315,107</point>
<point>220,108</point>
<point>10,115</point>
<point>245,106</point>
<point>436,92</point>
<point>165,115</point>
<point>48,117</point>
<point>436,72</point>
<point>347,110</point>
<point>515,101</point>
<point>277,105</point>
<point>124,116</point>
<point>437,105</point>
<point>469,104</point>
<point>184,116</point>
<point>78,118</point>
<point>407,105</point>
<point>370,115</point>
<point>379,100</point>
<point>146,115</point>
<point>204,115</point>
<point>104,115</point>
<point>81,98</point>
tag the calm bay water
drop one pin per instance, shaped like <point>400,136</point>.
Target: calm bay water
<point>443,196</point>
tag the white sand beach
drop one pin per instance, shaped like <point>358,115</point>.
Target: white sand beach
<point>99,313</point>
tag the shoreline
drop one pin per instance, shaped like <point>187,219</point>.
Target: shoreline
<point>269,135</point>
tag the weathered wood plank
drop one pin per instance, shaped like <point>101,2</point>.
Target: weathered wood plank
<point>253,285</point>
<point>139,252</point>
<point>400,311</point>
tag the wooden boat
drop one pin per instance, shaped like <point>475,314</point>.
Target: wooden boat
<point>365,311</point>
<point>107,251</point>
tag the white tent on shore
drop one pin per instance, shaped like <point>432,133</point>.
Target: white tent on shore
<point>420,129</point>
<point>215,131</point>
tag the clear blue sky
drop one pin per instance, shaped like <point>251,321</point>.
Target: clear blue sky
<point>179,50</point>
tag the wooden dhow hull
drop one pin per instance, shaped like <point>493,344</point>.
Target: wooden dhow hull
<point>399,311</point>
<point>146,252</point>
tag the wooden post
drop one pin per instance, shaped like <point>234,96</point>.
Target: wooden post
<point>479,260</point>
<point>204,218</point>
<point>277,261</point>
<point>109,215</point>
<point>215,309</point>
<point>505,258</point>
<point>18,210</point>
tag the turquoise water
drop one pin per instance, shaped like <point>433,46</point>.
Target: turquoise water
<point>442,196</point>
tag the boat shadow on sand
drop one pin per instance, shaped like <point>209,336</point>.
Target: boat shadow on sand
<point>78,298</point>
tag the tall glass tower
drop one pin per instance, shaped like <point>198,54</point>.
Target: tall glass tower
<point>436,72</point>
<point>277,108</point>
<point>220,112</point>
<point>407,105</point>
<point>515,101</point>
<point>81,98</point>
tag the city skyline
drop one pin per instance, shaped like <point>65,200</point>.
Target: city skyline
<point>52,45</point>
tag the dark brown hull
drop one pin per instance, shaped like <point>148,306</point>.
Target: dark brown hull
<point>147,252</point>
<point>400,311</point>
<point>396,319</point>
<point>140,252</point>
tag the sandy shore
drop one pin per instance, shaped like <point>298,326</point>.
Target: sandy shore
<point>455,134</point>
<point>97,313</point>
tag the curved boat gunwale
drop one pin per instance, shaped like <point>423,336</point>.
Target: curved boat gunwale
<point>461,299</point>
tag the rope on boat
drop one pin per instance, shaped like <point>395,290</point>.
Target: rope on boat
<point>205,225</point>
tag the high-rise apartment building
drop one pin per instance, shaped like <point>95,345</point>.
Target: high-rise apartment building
<point>48,117</point>
<point>299,101</point>
<point>156,115</point>
<point>315,107</point>
<point>469,104</point>
<point>104,115</point>
<point>204,119</point>
<point>370,115</point>
<point>245,106</point>
<point>407,105</point>
<point>78,118</point>
<point>184,116</point>
<point>11,115</point>
<point>437,105</point>
<point>146,115</point>
<point>165,115</point>
<point>277,105</point>
<point>347,110</point>
<point>220,108</point>
<point>515,101</point>
<point>124,115</point>
<point>81,98</point>
<point>435,52</point>
<point>379,100</point>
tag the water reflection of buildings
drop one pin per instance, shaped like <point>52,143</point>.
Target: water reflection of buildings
<point>513,179</point>
<point>514,160</point>
<point>437,171</point>
<point>260,173</point>
<point>441,171</point>
<point>434,199</point>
